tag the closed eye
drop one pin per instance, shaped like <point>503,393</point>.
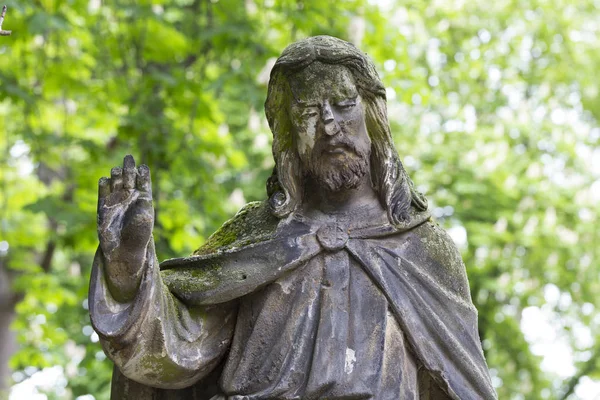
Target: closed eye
<point>346,104</point>
<point>310,112</point>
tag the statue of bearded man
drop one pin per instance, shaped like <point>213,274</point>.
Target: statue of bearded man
<point>338,286</point>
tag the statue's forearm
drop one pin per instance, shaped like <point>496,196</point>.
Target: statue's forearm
<point>123,270</point>
<point>124,291</point>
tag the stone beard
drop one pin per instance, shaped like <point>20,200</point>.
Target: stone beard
<point>344,290</point>
<point>343,172</point>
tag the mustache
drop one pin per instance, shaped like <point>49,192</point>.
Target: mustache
<point>339,142</point>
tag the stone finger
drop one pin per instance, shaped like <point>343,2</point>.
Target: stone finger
<point>116,179</point>
<point>103,190</point>
<point>143,179</point>
<point>103,187</point>
<point>129,172</point>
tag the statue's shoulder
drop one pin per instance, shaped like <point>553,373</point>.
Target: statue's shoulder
<point>436,249</point>
<point>433,236</point>
<point>253,223</point>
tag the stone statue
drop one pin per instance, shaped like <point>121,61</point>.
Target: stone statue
<point>338,286</point>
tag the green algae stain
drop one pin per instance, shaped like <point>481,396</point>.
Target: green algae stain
<point>187,281</point>
<point>251,224</point>
<point>160,368</point>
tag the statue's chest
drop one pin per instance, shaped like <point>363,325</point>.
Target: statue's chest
<point>323,328</point>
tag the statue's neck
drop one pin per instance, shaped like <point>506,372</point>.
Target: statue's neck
<point>318,197</point>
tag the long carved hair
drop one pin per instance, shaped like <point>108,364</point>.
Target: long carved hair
<point>389,179</point>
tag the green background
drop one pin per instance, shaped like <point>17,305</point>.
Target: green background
<point>494,108</point>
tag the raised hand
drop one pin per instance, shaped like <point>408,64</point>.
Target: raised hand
<point>125,222</point>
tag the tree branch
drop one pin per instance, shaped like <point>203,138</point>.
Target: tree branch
<point>586,369</point>
<point>46,262</point>
<point>3,33</point>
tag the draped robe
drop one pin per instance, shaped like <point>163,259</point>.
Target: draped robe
<point>311,307</point>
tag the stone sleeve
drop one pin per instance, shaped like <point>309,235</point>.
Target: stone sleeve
<point>155,339</point>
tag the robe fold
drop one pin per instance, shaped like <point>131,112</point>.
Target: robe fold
<point>333,307</point>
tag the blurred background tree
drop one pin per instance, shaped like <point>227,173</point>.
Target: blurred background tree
<point>494,107</point>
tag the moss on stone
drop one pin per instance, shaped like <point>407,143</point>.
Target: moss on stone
<point>440,248</point>
<point>253,223</point>
<point>160,368</point>
<point>187,281</point>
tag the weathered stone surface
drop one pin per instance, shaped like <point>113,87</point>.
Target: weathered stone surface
<point>338,286</point>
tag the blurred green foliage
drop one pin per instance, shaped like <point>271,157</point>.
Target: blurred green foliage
<point>494,107</point>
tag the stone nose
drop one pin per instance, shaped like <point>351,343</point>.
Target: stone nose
<point>331,126</point>
<point>327,113</point>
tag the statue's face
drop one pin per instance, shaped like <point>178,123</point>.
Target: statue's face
<point>328,119</point>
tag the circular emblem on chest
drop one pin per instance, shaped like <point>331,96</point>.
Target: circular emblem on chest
<point>332,237</point>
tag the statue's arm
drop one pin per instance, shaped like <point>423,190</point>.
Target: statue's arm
<point>151,336</point>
